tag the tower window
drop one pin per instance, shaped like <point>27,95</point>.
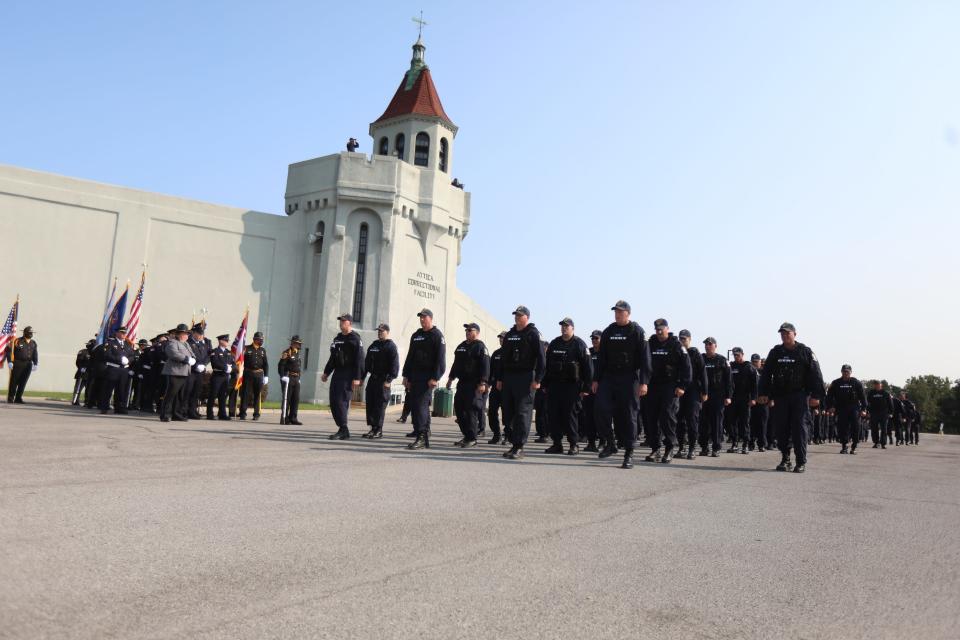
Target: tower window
<point>444,148</point>
<point>384,146</point>
<point>399,145</point>
<point>318,243</point>
<point>421,153</point>
<point>361,274</point>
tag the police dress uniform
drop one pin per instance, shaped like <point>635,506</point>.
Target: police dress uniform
<point>471,368</point>
<point>255,368</point>
<point>117,357</point>
<point>201,351</point>
<point>523,363</point>
<point>23,356</point>
<point>382,364</point>
<point>670,371</point>
<point>80,377</point>
<point>346,365</point>
<point>426,360</point>
<point>847,398</point>
<point>222,364</point>
<point>568,373</point>
<point>720,388</point>
<point>744,379</point>
<point>290,367</point>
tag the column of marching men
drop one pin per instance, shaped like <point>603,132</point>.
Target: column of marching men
<point>684,403</point>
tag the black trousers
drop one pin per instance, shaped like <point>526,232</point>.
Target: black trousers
<point>192,394</point>
<point>789,415</point>
<point>740,420</point>
<point>93,388</point>
<point>563,408</point>
<point>172,406</point>
<point>145,397</point>
<point>493,412</point>
<point>587,420</point>
<point>219,390</point>
<point>420,395</point>
<point>250,393</point>
<point>711,423</point>
<point>516,399</point>
<point>18,380</point>
<point>688,422</point>
<point>617,405</point>
<point>848,425</point>
<point>758,425</point>
<point>292,391</point>
<point>914,432</point>
<point>468,405</point>
<point>541,413</point>
<point>376,396</point>
<point>660,415</point>
<point>116,383</point>
<point>234,394</point>
<point>341,393</point>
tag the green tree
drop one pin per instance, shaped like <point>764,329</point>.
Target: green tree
<point>928,394</point>
<point>949,411</point>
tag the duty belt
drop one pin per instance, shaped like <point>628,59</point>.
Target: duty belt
<point>293,375</point>
<point>146,366</point>
<point>255,371</point>
<point>114,364</point>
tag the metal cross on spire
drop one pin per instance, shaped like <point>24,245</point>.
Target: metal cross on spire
<point>420,21</point>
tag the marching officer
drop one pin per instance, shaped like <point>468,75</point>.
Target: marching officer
<point>847,400</point>
<point>201,351</point>
<point>669,379</point>
<point>471,368</point>
<point>23,359</point>
<point>424,365</point>
<point>346,365</point>
<point>759,414</point>
<point>523,365</point>
<point>222,364</point>
<point>719,392</point>
<point>136,371</point>
<point>744,379</point>
<point>493,410</point>
<point>255,367</point>
<point>588,405</point>
<point>80,377</point>
<point>569,372</point>
<point>792,380</point>
<point>289,368</point>
<point>620,380</point>
<point>117,355</point>
<point>383,365</point>
<point>688,424</point>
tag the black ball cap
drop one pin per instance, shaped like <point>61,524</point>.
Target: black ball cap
<point>596,333</point>
<point>345,316</point>
<point>787,326</point>
<point>296,340</point>
<point>425,313</point>
<point>472,325</point>
<point>846,367</point>
<point>521,311</point>
<point>755,357</point>
<point>383,326</point>
<point>684,333</point>
<point>566,322</point>
<point>621,305</point>
<point>660,322</point>
<point>709,340</point>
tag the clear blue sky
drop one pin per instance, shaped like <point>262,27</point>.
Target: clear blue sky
<point>726,165</point>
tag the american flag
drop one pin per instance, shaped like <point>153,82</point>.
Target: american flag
<point>9,331</point>
<point>133,322</point>
<point>237,347</point>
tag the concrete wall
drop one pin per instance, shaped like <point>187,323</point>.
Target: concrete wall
<point>75,236</point>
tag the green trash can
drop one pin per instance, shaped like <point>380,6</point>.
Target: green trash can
<point>442,403</point>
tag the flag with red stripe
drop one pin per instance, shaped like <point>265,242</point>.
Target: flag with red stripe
<point>133,322</point>
<point>237,347</point>
<point>9,330</point>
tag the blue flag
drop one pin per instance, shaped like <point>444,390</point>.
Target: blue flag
<point>115,320</point>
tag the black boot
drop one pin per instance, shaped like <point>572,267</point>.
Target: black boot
<point>555,448</point>
<point>627,459</point>
<point>341,434</point>
<point>653,456</point>
<point>800,468</point>
<point>510,451</point>
<point>574,450</point>
<point>419,443</point>
<point>844,449</point>
<point>784,464</point>
<point>495,439</point>
<point>608,450</point>
<point>690,453</point>
<point>591,447</point>
<point>667,456</point>
<point>369,434</point>
<point>412,434</point>
<point>377,435</point>
<point>516,454</point>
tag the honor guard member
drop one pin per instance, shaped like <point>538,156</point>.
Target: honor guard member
<point>346,365</point>
<point>23,359</point>
<point>523,365</point>
<point>136,378</point>
<point>688,423</point>
<point>669,380</point>
<point>759,413</point>
<point>792,380</point>
<point>255,376</point>
<point>289,368</point>
<point>620,380</point>
<point>201,351</point>
<point>382,364</point>
<point>719,393</point>
<point>893,425</point>
<point>80,377</point>
<point>493,410</point>
<point>117,355</point>
<point>221,365</point>
<point>471,369</point>
<point>157,360</point>
<point>744,379</point>
<point>569,373</point>
<point>423,367</point>
<point>847,400</point>
<point>178,361</point>
<point>909,416</point>
<point>588,407</point>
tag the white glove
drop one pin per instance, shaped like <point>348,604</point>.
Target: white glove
<point>192,361</point>
<point>140,375</point>
<point>201,368</point>
<point>131,373</point>
<point>266,379</point>
<point>285,379</point>
<point>10,364</point>
<point>229,368</point>
<point>124,360</point>
<point>83,369</point>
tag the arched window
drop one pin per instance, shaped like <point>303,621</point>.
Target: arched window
<point>421,153</point>
<point>444,148</point>
<point>318,243</point>
<point>384,146</point>
<point>361,274</point>
<point>399,145</point>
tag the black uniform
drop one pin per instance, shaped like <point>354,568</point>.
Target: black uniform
<point>588,410</point>
<point>382,364</point>
<point>80,377</point>
<point>493,408</point>
<point>23,355</point>
<point>191,395</point>
<point>895,426</point>
<point>522,363</point>
<point>471,368</point>
<point>671,371</point>
<point>426,360</point>
<point>290,366</point>
<point>744,378</point>
<point>847,398</point>
<point>790,378</point>
<point>95,377</point>
<point>255,367</point>
<point>346,365</point>
<point>117,357</point>
<point>688,419</point>
<point>221,364</point>
<point>623,363</point>
<point>569,372</point>
<point>910,416</point>
<point>720,388</point>
<point>759,433</point>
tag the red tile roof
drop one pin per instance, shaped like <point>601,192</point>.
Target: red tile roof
<point>421,99</point>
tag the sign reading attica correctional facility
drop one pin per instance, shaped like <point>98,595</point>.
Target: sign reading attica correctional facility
<point>424,286</point>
